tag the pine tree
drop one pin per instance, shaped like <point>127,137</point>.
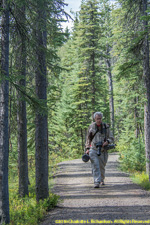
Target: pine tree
<point>92,74</point>
<point>4,98</point>
<point>108,58</point>
<point>21,109</point>
<point>41,137</point>
<point>83,83</point>
<point>146,77</point>
<point>128,38</point>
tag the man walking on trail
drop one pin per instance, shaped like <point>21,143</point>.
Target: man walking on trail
<point>98,132</point>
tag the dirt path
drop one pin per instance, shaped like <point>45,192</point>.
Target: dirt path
<point>118,202</point>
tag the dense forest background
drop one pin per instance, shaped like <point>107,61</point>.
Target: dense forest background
<point>52,80</point>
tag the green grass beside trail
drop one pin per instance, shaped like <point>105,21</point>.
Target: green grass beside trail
<point>132,160</point>
<point>142,179</point>
<point>26,211</point>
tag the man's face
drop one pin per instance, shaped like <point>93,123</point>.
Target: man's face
<point>98,120</point>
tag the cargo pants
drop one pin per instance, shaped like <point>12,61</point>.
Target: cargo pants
<point>98,164</point>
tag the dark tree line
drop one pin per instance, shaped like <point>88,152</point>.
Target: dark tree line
<point>26,23</point>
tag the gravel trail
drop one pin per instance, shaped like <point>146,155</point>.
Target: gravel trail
<point>118,202</point>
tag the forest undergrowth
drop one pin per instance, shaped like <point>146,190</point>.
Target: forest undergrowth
<point>132,160</point>
<point>25,211</point>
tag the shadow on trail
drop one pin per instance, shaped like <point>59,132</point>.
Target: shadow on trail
<point>102,196</point>
<point>73,175</point>
<point>89,174</point>
<point>104,213</point>
<point>102,192</point>
<point>119,199</point>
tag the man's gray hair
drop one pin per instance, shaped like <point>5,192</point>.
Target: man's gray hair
<point>98,114</point>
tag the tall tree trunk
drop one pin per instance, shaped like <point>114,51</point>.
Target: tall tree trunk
<point>4,97</point>
<point>82,140</point>
<point>41,136</point>
<point>21,113</point>
<point>111,97</point>
<point>136,117</point>
<point>146,75</point>
<point>93,60</point>
<point>93,79</point>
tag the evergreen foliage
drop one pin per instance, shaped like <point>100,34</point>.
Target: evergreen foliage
<point>84,87</point>
<point>130,98</point>
<point>97,66</point>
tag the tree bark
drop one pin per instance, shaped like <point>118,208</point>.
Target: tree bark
<point>21,110</point>
<point>136,117</point>
<point>111,97</point>
<point>93,60</point>
<point>41,136</point>
<point>4,97</point>
<point>146,76</point>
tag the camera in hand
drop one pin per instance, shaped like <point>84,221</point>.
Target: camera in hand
<point>99,146</point>
<point>107,147</point>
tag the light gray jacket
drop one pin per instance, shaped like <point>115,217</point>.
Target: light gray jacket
<point>103,134</point>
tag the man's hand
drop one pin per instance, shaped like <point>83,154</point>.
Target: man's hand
<point>105,143</point>
<point>87,151</point>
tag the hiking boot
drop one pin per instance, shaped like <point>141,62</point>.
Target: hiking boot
<point>102,183</point>
<point>96,186</point>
